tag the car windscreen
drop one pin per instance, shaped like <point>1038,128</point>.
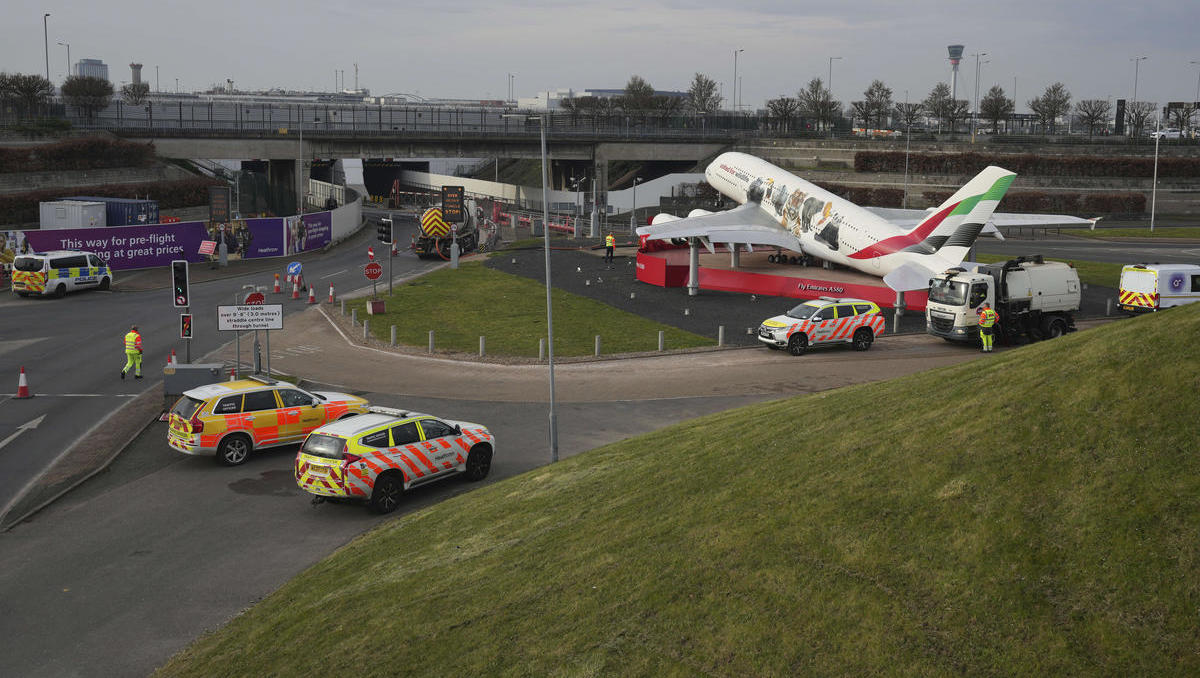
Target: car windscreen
<point>803,311</point>
<point>27,264</point>
<point>186,407</point>
<point>319,445</point>
<point>950,292</point>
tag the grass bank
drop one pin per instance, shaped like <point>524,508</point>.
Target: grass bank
<point>1164,232</point>
<point>1035,512</point>
<point>1100,273</point>
<point>510,312</point>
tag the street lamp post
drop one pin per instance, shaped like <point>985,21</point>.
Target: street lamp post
<point>46,40</point>
<point>829,86</point>
<point>975,117</point>
<point>1137,61</point>
<point>1197,63</point>
<point>633,207</point>
<point>68,46</point>
<point>736,103</point>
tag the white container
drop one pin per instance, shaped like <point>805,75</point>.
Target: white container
<point>73,214</point>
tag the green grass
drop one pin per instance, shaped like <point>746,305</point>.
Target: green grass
<point>510,312</point>
<point>1036,512</point>
<point>1165,232</point>
<point>1101,273</point>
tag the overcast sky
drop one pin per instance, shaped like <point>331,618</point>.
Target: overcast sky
<point>467,48</point>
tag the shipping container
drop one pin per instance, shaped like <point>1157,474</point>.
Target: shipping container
<point>73,214</point>
<point>125,211</point>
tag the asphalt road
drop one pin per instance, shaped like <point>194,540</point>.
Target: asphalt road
<point>128,569</point>
<point>1083,249</point>
<point>72,350</point>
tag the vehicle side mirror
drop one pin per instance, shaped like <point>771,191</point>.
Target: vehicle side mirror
<point>816,318</point>
<point>457,429</point>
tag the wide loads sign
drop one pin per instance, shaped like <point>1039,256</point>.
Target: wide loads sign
<point>250,317</point>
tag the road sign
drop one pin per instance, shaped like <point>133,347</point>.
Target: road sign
<point>255,299</point>
<point>371,253</point>
<point>250,317</point>
<point>373,270</point>
<point>452,203</point>
<point>293,268</point>
<point>185,325</point>
<point>208,246</point>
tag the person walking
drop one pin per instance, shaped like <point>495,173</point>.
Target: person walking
<point>610,244</point>
<point>133,353</point>
<point>987,321</point>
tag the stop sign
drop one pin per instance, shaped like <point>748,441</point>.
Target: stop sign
<point>373,270</point>
<point>255,299</point>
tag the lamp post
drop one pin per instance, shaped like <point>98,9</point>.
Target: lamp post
<point>736,103</point>
<point>46,40</point>
<point>68,46</point>
<point>1197,63</point>
<point>633,210</point>
<point>829,86</point>
<point>975,116</point>
<point>1137,61</point>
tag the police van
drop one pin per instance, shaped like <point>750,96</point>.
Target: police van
<point>1150,287</point>
<point>59,272</point>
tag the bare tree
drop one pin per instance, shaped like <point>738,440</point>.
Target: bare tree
<point>946,110</point>
<point>1093,113</point>
<point>87,93</point>
<point>1181,117</point>
<point>816,103</point>
<point>862,110</point>
<point>1136,115</point>
<point>1054,103</point>
<point>994,107</point>
<point>878,98</point>
<point>909,113</point>
<point>666,106</point>
<point>135,93</point>
<point>783,109</point>
<point>638,95</point>
<point>702,95</point>
<point>28,92</point>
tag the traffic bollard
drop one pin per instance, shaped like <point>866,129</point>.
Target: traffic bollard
<point>365,321</point>
<point>343,307</point>
<point>597,344</point>
<point>1108,307</point>
<point>431,341</point>
<point>393,336</point>
<point>662,339</point>
<point>541,350</point>
<point>720,335</point>
<point>353,317</point>
<point>481,347</point>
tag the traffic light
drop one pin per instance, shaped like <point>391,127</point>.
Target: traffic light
<point>383,230</point>
<point>185,325</point>
<point>179,283</point>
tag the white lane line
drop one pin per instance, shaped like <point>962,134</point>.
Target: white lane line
<point>76,395</point>
<point>333,274</point>
<point>21,429</point>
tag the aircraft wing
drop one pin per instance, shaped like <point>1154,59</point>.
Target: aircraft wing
<point>747,224</point>
<point>909,218</point>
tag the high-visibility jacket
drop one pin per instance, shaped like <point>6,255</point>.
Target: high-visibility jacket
<point>988,317</point>
<point>133,341</point>
<point>609,241</point>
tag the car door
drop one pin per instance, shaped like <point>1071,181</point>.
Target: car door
<point>406,439</point>
<point>441,444</point>
<point>298,416</point>
<point>822,322</point>
<point>260,415</point>
<point>847,322</point>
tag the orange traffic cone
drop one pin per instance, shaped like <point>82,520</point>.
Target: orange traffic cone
<point>277,290</point>
<point>312,295</point>
<point>23,386</point>
<point>394,250</point>
<point>232,374</point>
<point>295,289</point>
<point>171,359</point>
<point>331,293</point>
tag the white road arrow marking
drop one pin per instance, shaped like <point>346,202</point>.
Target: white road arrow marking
<point>21,429</point>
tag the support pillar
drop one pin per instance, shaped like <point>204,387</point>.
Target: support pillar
<point>735,260</point>
<point>693,267</point>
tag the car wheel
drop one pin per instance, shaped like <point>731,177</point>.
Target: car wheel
<point>797,344</point>
<point>862,339</point>
<point>385,497</point>
<point>479,462</point>
<point>233,450</point>
<point>60,291</point>
<point>1054,327</point>
<point>105,284</point>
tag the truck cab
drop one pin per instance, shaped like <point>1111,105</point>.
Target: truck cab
<point>1033,297</point>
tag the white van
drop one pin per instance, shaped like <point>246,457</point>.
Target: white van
<point>1150,287</point>
<point>56,273</point>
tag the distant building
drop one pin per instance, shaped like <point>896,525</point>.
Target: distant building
<point>91,68</point>
<point>551,100</point>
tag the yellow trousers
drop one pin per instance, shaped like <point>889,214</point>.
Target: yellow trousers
<point>133,359</point>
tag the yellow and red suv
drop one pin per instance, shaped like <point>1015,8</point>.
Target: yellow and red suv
<point>827,320</point>
<point>376,457</point>
<point>231,419</point>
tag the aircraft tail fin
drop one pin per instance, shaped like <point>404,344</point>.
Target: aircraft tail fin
<point>953,227</point>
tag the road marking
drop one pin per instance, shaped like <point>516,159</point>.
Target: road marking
<point>32,424</point>
<point>333,274</point>
<point>76,395</point>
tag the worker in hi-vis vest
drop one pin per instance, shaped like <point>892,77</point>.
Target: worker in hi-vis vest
<point>133,353</point>
<point>610,244</point>
<point>987,321</point>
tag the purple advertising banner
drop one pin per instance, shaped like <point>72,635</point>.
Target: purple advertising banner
<point>309,232</point>
<point>125,247</point>
<point>266,238</point>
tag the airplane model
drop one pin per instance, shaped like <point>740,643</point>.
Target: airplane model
<point>779,209</point>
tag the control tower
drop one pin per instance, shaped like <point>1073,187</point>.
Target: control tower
<point>955,57</point>
<point>137,72</point>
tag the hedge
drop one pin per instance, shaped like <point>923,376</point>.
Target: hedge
<point>1092,204</point>
<point>20,208</point>
<point>87,153</point>
<point>1025,164</point>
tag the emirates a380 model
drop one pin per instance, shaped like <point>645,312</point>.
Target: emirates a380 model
<point>904,247</point>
